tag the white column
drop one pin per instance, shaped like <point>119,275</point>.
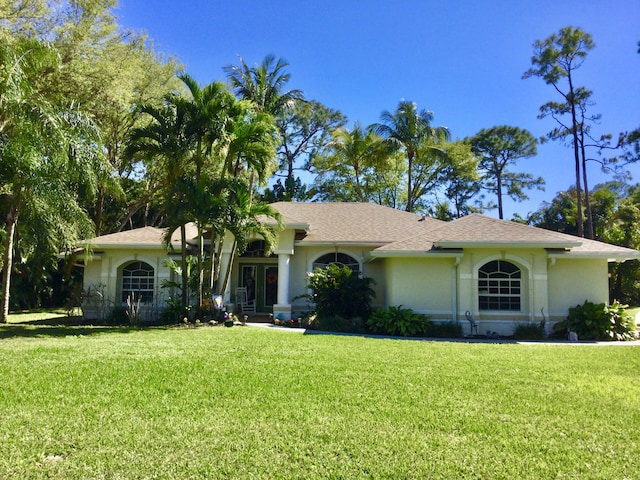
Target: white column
<point>224,264</point>
<point>282,309</point>
<point>283,278</point>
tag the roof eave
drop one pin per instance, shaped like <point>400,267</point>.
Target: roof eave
<point>415,253</point>
<point>610,256</point>
<point>504,244</point>
<point>333,243</point>
<point>130,246</point>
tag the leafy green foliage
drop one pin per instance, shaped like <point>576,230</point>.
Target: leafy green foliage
<point>528,331</point>
<point>599,321</point>
<point>398,321</point>
<point>615,208</point>
<point>555,60</point>
<point>409,130</point>
<point>499,148</point>
<point>444,330</point>
<point>354,166</point>
<point>339,292</point>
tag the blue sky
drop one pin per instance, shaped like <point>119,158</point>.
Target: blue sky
<point>463,60</point>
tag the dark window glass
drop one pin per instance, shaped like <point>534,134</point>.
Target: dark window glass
<point>499,286</point>
<point>138,282</point>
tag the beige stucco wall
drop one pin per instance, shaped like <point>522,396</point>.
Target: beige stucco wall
<point>572,281</point>
<point>102,272</point>
<point>422,284</point>
<point>548,287</point>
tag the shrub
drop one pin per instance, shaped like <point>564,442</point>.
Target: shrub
<point>398,321</point>
<point>444,330</point>
<point>599,321</point>
<point>338,292</point>
<point>528,331</point>
<point>117,316</point>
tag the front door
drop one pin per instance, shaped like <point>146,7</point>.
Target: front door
<point>261,281</point>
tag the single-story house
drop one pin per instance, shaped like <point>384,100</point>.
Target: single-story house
<point>497,272</point>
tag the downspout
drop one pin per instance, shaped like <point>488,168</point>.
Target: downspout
<point>454,286</point>
<point>532,290</point>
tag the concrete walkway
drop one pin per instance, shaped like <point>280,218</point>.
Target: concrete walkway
<point>634,343</point>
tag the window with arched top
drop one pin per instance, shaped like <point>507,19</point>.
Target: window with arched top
<point>338,259</point>
<point>500,286</point>
<point>137,282</point>
<point>256,248</point>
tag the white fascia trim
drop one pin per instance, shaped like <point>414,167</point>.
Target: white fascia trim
<point>413,254</point>
<point>459,244</point>
<point>129,246</point>
<point>304,243</point>
<point>291,226</point>
<point>611,257</point>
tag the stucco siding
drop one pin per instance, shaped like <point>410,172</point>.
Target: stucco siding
<point>92,274</point>
<point>424,285</point>
<point>105,271</point>
<point>572,281</point>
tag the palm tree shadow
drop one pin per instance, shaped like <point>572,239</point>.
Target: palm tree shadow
<point>58,327</point>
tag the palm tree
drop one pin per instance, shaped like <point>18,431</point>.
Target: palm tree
<point>47,153</point>
<point>199,144</point>
<point>166,146</point>
<point>264,85</point>
<point>245,218</point>
<point>407,129</point>
<point>233,139</point>
<point>355,157</point>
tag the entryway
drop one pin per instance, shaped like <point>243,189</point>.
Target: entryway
<point>261,282</point>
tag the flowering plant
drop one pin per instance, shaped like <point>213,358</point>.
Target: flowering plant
<point>285,323</point>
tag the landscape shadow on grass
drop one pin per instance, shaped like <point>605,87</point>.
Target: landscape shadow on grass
<point>63,326</point>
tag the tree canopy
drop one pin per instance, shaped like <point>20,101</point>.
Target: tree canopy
<point>99,133</point>
<point>498,149</point>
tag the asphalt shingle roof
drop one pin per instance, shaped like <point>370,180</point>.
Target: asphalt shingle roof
<point>141,237</point>
<point>393,232</point>
<point>360,223</point>
<point>480,231</point>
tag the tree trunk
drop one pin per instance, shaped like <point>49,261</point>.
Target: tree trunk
<point>499,191</point>
<point>587,201</point>
<point>227,274</point>
<point>200,268</point>
<point>574,133</point>
<point>97,220</point>
<point>185,273</point>
<point>12,220</point>
<point>216,263</point>
<point>409,182</point>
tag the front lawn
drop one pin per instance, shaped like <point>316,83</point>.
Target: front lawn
<point>247,402</point>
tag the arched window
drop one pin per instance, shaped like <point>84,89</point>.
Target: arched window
<point>137,282</point>
<point>255,248</point>
<point>499,286</point>
<point>339,259</point>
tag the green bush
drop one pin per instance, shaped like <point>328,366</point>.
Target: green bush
<point>339,292</point>
<point>398,321</point>
<point>117,316</point>
<point>528,331</point>
<point>444,330</point>
<point>599,321</point>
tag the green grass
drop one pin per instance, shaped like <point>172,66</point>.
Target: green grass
<point>48,316</point>
<point>257,403</point>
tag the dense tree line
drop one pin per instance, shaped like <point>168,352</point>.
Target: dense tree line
<point>100,133</point>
